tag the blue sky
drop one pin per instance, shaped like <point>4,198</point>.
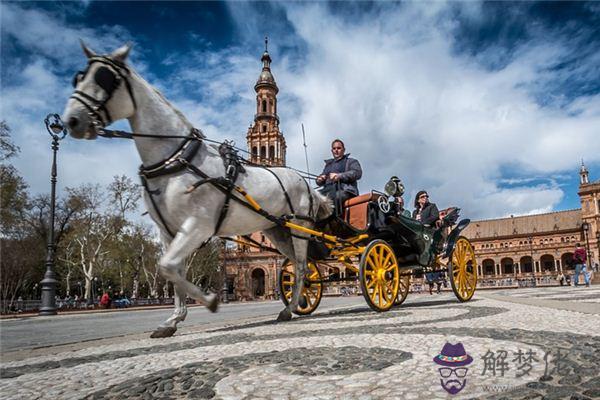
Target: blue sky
<point>489,106</point>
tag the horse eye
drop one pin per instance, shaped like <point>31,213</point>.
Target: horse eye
<point>106,79</point>
<point>77,78</point>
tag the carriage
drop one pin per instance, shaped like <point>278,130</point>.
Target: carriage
<point>384,248</point>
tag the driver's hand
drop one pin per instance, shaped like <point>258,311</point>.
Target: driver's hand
<point>334,177</point>
<point>321,178</point>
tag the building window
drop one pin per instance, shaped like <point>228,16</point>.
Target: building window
<point>271,152</point>
<point>264,128</point>
<point>264,106</point>
<point>263,152</point>
<point>254,151</point>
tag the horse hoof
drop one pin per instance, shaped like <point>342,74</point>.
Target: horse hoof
<point>302,302</point>
<point>213,304</point>
<point>284,315</point>
<point>163,332</point>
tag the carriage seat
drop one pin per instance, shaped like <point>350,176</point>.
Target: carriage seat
<point>356,209</point>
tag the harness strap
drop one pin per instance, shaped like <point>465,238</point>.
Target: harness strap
<point>156,209</point>
<point>287,196</point>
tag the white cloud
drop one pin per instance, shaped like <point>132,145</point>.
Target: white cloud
<point>387,81</point>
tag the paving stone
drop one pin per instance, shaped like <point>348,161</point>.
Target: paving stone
<point>351,353</point>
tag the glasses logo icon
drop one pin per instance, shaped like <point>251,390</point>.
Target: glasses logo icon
<point>453,374</point>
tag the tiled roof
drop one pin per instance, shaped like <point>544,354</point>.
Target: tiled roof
<point>528,224</point>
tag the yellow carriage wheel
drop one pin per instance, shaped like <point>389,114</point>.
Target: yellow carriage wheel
<point>403,288</point>
<point>312,289</point>
<point>379,275</point>
<point>463,269</point>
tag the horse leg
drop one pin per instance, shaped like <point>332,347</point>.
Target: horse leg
<point>282,240</point>
<point>184,243</point>
<point>169,326</point>
<point>301,251</point>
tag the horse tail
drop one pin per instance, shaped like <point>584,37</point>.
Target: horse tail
<point>324,205</point>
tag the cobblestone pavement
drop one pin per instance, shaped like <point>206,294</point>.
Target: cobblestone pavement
<point>519,351</point>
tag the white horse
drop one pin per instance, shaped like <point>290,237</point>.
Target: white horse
<point>110,90</point>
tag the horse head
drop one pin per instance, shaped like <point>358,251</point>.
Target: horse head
<point>102,94</point>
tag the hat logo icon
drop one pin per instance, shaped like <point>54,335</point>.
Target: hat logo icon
<point>453,372</point>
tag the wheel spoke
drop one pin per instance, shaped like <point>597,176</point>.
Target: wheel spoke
<point>371,283</point>
<point>387,259</point>
<point>371,264</point>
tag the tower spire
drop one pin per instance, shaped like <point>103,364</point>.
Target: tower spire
<point>583,174</point>
<point>265,141</point>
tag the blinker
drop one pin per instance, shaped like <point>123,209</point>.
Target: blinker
<point>106,79</point>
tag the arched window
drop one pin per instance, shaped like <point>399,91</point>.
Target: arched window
<point>264,128</point>
<point>264,106</point>
<point>271,152</point>
<point>263,152</point>
<point>254,151</point>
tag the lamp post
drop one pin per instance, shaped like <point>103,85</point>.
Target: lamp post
<point>531,253</point>
<point>586,228</point>
<point>598,243</point>
<point>57,131</point>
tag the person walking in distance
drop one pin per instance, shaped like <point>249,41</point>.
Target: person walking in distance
<point>579,259</point>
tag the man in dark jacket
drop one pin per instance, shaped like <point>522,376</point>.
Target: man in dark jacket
<point>340,174</point>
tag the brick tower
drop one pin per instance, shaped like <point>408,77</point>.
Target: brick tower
<point>265,142</point>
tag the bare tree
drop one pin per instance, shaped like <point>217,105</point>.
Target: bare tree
<point>203,267</point>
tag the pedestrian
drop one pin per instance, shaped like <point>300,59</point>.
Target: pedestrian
<point>105,300</point>
<point>561,278</point>
<point>579,259</point>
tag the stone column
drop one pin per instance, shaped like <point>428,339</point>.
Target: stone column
<point>519,268</point>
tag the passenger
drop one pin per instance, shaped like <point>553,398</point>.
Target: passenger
<point>400,210</point>
<point>340,172</point>
<point>425,211</point>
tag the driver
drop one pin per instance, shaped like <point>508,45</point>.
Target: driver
<point>425,211</point>
<point>340,170</point>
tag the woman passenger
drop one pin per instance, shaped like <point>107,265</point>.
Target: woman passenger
<point>425,212</point>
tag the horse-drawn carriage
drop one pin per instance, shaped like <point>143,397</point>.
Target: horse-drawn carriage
<point>196,189</point>
<point>383,248</point>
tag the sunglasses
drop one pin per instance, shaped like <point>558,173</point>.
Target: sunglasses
<point>337,148</point>
<point>424,196</point>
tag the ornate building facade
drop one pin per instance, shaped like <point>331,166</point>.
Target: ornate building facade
<point>535,248</point>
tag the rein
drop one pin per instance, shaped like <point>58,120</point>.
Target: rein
<point>111,133</point>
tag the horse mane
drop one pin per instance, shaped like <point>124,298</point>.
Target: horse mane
<point>168,103</point>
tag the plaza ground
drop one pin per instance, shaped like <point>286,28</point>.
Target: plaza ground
<point>525,343</point>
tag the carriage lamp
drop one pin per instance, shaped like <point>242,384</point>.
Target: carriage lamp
<point>394,187</point>
<point>57,131</point>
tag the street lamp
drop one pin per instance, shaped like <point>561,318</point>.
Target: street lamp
<point>57,131</point>
<point>531,252</point>
<point>586,228</point>
<point>598,243</point>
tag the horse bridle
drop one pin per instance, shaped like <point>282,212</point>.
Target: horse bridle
<point>109,78</point>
